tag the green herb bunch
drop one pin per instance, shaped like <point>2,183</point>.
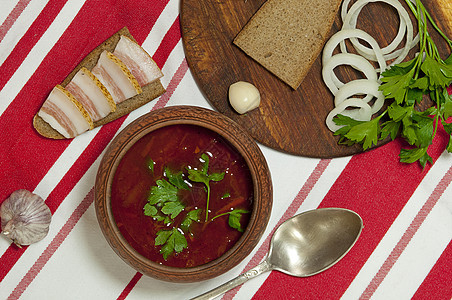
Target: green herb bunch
<point>406,84</point>
<point>164,205</point>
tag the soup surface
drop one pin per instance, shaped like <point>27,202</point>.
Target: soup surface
<point>163,186</point>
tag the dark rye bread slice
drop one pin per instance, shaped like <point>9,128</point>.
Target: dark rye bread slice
<point>150,91</point>
<point>286,36</point>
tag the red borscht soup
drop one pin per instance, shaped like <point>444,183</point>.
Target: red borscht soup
<point>182,196</point>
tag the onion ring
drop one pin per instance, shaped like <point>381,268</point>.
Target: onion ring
<point>404,26</point>
<point>362,112</point>
<point>345,4</point>
<point>344,9</point>
<point>353,33</point>
<point>361,87</point>
<point>353,60</point>
<point>352,18</point>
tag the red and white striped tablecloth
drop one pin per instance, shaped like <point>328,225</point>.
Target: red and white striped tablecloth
<point>404,251</point>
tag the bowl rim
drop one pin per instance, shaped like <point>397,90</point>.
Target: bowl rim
<point>231,132</point>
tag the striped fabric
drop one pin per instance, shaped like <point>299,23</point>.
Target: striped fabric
<point>404,251</point>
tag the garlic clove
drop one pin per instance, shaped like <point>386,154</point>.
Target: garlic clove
<point>25,218</point>
<point>244,96</point>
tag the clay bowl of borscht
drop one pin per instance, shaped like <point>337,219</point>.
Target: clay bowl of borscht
<point>183,194</point>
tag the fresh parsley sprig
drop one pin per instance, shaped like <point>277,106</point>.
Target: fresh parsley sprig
<point>171,240</point>
<point>201,175</point>
<point>164,205</point>
<point>163,201</point>
<point>406,84</point>
<point>234,218</point>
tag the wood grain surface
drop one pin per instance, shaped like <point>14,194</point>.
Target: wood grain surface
<point>288,120</point>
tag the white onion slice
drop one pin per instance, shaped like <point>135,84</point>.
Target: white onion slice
<point>352,18</point>
<point>361,112</point>
<point>404,25</point>
<point>352,33</point>
<point>361,87</point>
<point>353,60</point>
<point>344,9</point>
<point>345,4</point>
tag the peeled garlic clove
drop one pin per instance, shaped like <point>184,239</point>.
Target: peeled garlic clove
<point>244,96</point>
<point>25,217</point>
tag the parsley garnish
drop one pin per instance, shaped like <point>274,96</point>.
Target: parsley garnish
<point>172,240</point>
<point>172,208</point>
<point>234,218</point>
<point>163,202</point>
<point>164,206</point>
<point>151,164</point>
<point>406,83</point>
<point>192,216</point>
<point>176,179</point>
<point>202,176</point>
<point>163,192</point>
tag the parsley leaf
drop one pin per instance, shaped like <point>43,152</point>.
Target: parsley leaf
<point>361,132</point>
<point>172,208</point>
<point>447,127</point>
<point>439,74</point>
<point>396,81</point>
<point>202,176</point>
<point>162,237</point>
<point>234,218</point>
<point>346,122</point>
<point>421,83</point>
<point>163,192</point>
<point>415,154</point>
<point>423,129</point>
<point>176,179</point>
<point>449,145</point>
<point>390,128</point>
<point>446,108</point>
<point>151,164</point>
<point>192,216</point>
<point>163,201</point>
<point>150,210</point>
<point>397,112</point>
<point>172,241</point>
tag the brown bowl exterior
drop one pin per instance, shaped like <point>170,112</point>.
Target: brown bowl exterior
<point>237,137</point>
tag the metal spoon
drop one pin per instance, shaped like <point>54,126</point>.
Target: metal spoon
<point>304,245</point>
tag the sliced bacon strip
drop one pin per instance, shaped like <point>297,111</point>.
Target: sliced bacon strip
<point>64,113</point>
<point>116,77</point>
<point>90,92</point>
<point>137,60</point>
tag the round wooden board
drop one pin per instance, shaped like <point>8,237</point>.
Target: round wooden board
<point>292,121</point>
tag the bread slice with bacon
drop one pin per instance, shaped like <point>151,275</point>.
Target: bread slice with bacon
<point>114,79</point>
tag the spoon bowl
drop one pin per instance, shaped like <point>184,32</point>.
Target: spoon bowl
<point>304,245</point>
<point>313,241</point>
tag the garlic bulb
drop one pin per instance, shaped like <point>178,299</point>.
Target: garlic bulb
<point>25,217</point>
<point>244,96</point>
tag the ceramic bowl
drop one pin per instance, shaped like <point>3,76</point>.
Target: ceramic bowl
<point>237,138</point>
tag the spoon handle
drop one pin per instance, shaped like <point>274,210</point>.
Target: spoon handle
<point>259,269</point>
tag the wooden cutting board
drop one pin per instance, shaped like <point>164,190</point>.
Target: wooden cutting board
<point>292,121</point>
